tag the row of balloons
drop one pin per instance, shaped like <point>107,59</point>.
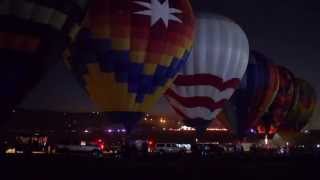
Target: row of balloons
<point>243,89</point>
<point>127,53</point>
<point>270,99</point>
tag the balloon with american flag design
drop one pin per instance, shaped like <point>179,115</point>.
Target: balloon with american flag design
<point>129,52</point>
<point>217,63</point>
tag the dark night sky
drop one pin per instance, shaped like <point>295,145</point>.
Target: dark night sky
<point>286,31</point>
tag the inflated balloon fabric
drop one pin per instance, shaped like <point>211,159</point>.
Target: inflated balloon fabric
<point>218,61</point>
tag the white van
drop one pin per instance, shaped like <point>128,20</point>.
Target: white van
<point>167,148</point>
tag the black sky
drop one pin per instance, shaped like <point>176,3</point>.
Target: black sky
<point>286,31</point>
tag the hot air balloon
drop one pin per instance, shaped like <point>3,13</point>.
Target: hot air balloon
<point>300,112</point>
<point>303,107</point>
<point>281,104</point>
<point>129,52</point>
<point>218,61</point>
<point>33,35</point>
<point>254,96</point>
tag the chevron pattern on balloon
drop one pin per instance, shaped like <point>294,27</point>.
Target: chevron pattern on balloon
<point>195,112</point>
<point>217,63</point>
<point>206,79</point>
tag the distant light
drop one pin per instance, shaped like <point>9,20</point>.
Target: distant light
<point>86,131</point>
<point>306,131</point>
<point>186,128</point>
<point>101,146</point>
<point>318,145</point>
<point>109,130</point>
<point>118,130</point>
<point>287,143</point>
<point>162,120</point>
<point>11,151</point>
<point>38,152</point>
<point>282,151</point>
<point>252,130</point>
<point>83,143</point>
<point>164,129</point>
<point>266,140</point>
<point>217,129</point>
<point>123,130</point>
<point>13,110</point>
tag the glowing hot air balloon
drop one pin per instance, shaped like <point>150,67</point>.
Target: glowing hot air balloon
<point>129,52</point>
<point>218,61</point>
<point>252,99</point>
<point>281,105</point>
<point>300,112</point>
<point>307,103</point>
<point>303,107</point>
<point>33,34</point>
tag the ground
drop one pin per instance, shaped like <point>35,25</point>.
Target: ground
<point>154,168</point>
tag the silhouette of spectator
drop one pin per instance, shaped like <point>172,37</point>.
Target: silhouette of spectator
<point>145,149</point>
<point>195,150</point>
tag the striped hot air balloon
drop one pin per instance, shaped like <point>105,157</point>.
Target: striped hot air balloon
<point>33,35</point>
<point>300,112</point>
<point>253,98</point>
<point>303,107</point>
<point>218,61</point>
<point>281,105</point>
<point>129,52</point>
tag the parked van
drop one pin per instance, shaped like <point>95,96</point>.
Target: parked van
<point>167,148</point>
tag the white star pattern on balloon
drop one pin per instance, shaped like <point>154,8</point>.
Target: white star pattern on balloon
<point>158,11</point>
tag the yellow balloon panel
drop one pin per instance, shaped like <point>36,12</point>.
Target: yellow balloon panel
<point>115,96</point>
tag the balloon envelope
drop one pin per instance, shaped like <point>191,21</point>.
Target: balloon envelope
<point>129,52</point>
<point>303,107</point>
<point>281,104</point>
<point>254,96</point>
<point>33,35</point>
<point>217,63</point>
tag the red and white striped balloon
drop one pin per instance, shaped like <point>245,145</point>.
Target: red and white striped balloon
<point>218,61</point>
